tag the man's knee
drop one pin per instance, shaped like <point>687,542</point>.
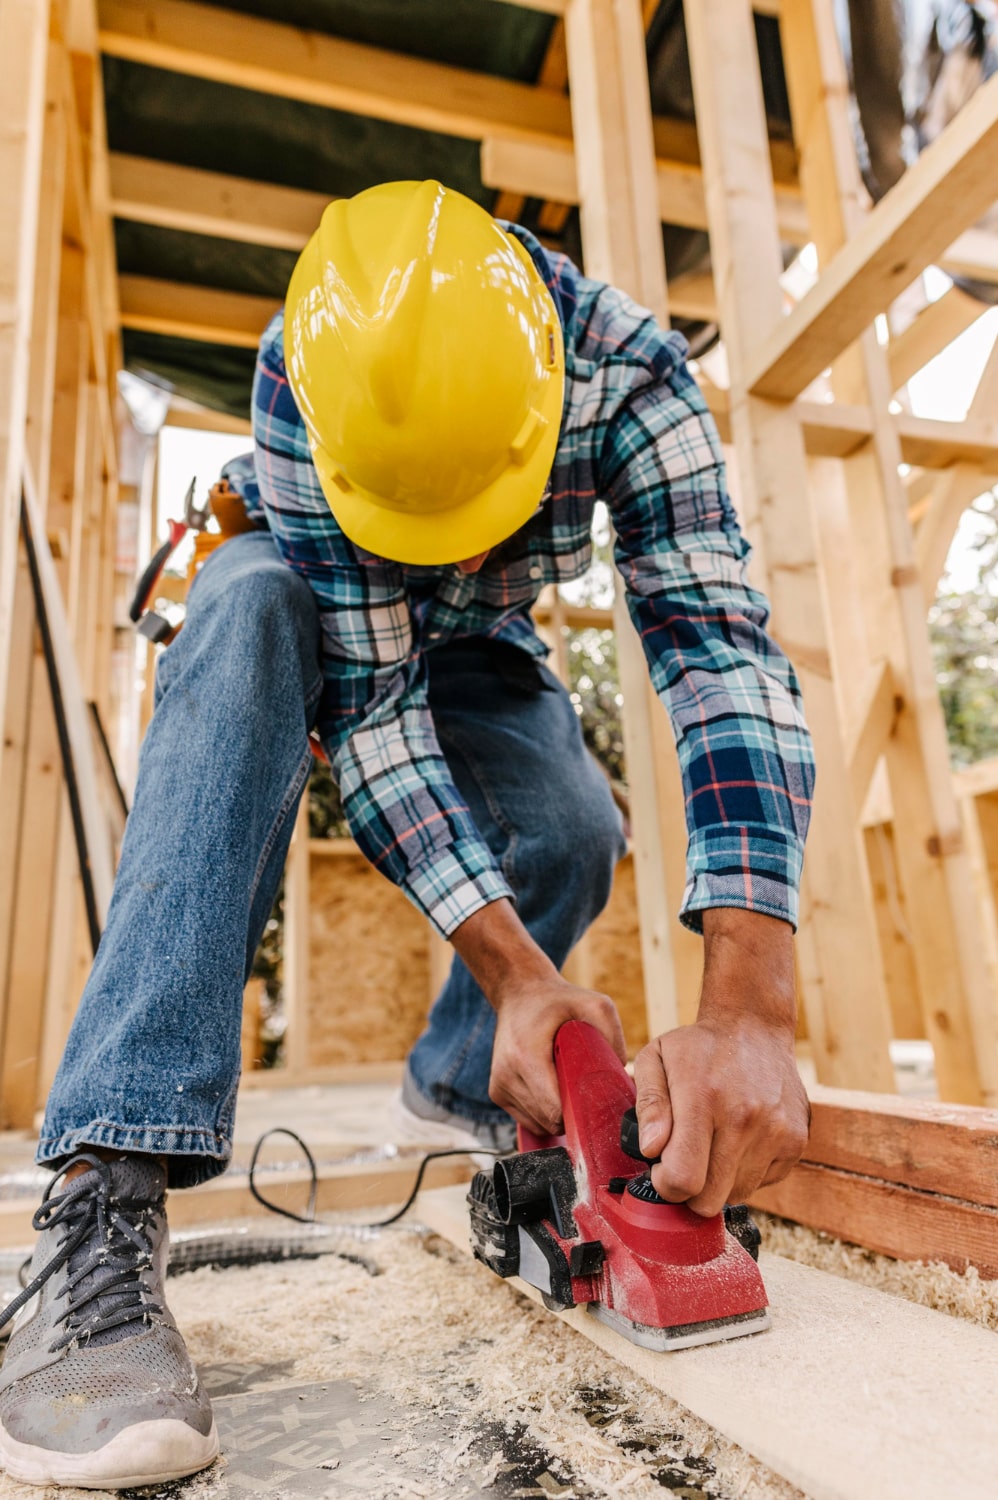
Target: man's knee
<point>582,837</point>
<point>246,588</point>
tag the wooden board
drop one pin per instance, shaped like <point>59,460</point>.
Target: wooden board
<point>362,1186</point>
<point>852,1394</point>
<point>896,1221</point>
<point>910,1178</point>
<point>938,1148</point>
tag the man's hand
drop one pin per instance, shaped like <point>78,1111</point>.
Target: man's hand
<point>721,1101</point>
<point>524,1081</point>
<point>531,1001</point>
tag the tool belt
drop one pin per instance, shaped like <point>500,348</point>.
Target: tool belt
<point>229,509</point>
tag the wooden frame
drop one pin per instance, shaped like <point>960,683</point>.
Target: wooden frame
<point>809,472</point>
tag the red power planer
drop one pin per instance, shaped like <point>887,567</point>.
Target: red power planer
<point>577,1218</point>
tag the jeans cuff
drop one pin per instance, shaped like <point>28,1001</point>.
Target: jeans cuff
<point>448,1105</point>
<point>193,1156</point>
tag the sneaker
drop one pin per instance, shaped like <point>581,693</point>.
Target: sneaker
<point>97,1388</point>
<point>416,1120</point>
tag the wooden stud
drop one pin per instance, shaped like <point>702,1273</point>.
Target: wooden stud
<point>623,245</point>
<point>961,1016</point>
<point>296,943</point>
<point>844,998</point>
<point>23,41</point>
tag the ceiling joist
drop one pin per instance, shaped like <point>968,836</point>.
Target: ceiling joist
<point>198,202</point>
<point>273,58</point>
<point>546,170</point>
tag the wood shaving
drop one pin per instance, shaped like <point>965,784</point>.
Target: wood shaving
<point>440,1333</point>
<point>962,1294</point>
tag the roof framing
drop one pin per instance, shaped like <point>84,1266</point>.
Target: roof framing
<point>945,191</point>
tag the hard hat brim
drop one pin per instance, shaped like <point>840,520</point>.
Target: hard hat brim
<point>477,525</point>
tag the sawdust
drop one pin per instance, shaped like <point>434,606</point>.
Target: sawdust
<point>961,1294</point>
<point>440,1334</point>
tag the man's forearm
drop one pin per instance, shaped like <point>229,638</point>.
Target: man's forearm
<point>500,953</point>
<point>748,968</point>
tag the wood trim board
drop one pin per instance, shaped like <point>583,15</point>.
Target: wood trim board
<point>851,1394</point>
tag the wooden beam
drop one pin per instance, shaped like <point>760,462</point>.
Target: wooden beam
<point>977,780</point>
<point>950,185</point>
<point>194,312</point>
<point>547,170</point>
<point>877,717</point>
<point>197,202</point>
<point>273,58</point>
<point>23,38</point>
<point>551,7</point>
<point>851,1393</point>
<point>932,331</point>
<point>895,1221</point>
<point>919,1143</point>
<point>954,491</point>
<point>188,414</point>
<point>959,1014</point>
<point>622,241</point>
<point>844,996</point>
<point>693,296</point>
<point>910,1178</point>
<point>974,254</point>
<point>835,429</point>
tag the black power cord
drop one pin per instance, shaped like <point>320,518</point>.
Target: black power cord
<point>308,1217</point>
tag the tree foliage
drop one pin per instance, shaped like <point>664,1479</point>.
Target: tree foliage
<point>964,631</point>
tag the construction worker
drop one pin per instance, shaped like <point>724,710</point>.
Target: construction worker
<point>435,414</point>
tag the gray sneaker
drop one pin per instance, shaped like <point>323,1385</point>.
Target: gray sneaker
<point>97,1388</point>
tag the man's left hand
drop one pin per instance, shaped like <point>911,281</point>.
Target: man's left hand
<point>721,1101</point>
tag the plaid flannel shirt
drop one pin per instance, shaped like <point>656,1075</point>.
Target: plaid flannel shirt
<point>636,433</point>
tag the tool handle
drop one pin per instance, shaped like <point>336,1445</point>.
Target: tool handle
<point>153,569</point>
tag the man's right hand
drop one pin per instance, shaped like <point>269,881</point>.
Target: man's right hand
<point>524,1081</point>
<point>531,1001</point>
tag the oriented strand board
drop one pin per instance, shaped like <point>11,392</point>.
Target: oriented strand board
<point>369,967</point>
<point>851,1394</point>
<point>616,956</point>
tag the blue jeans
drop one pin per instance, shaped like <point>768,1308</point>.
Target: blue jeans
<point>152,1061</point>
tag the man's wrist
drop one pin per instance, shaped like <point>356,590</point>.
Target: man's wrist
<point>748,969</point>
<point>501,954</point>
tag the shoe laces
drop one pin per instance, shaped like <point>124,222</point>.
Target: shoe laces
<point>121,1252</point>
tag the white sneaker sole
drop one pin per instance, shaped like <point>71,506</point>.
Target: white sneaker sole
<point>410,1129</point>
<point>148,1453</point>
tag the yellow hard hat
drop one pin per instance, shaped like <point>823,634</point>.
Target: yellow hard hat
<point>425,355</point>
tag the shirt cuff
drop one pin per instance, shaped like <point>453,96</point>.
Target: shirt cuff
<point>449,889</point>
<point>748,866</point>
